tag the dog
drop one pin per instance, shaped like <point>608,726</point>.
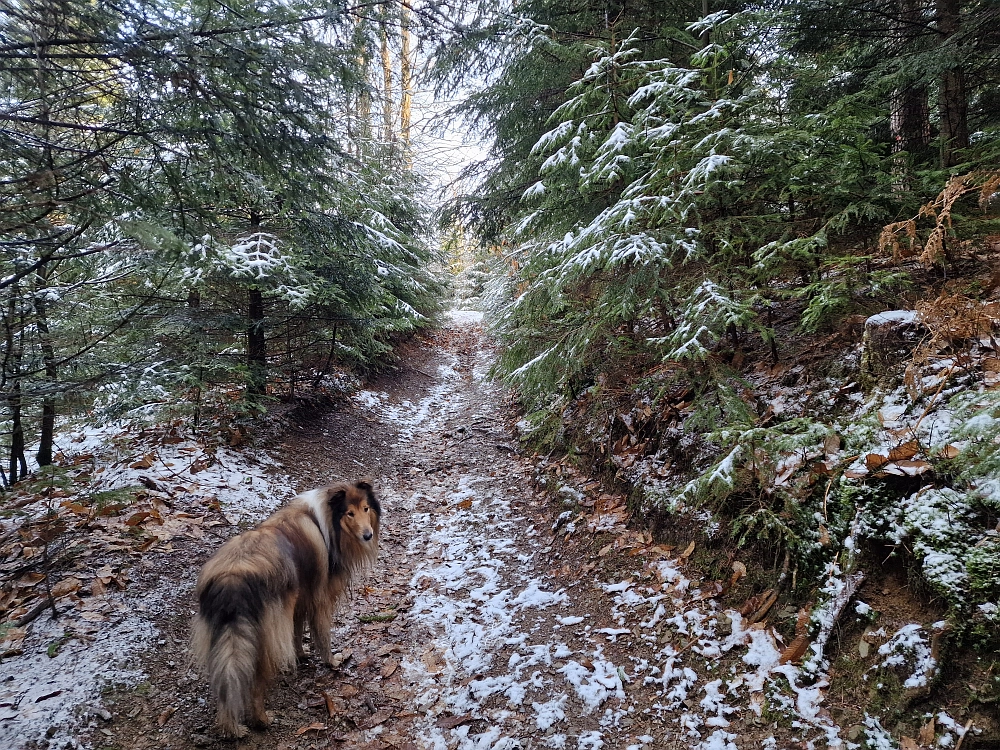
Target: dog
<point>257,592</point>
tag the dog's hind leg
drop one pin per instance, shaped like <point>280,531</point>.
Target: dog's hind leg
<point>259,718</point>
<point>300,627</point>
<point>319,624</point>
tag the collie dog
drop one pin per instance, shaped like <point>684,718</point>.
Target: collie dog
<point>257,592</point>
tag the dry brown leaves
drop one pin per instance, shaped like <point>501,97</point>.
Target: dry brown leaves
<point>69,523</point>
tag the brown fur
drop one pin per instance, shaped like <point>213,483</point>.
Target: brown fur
<point>257,593</point>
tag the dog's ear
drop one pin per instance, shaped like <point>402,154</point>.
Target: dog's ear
<point>365,486</point>
<point>337,502</point>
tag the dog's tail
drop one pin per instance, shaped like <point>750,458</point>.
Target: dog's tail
<point>241,638</point>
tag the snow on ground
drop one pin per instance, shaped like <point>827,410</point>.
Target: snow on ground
<point>97,640</point>
<point>465,317</point>
<point>245,482</point>
<point>510,646</point>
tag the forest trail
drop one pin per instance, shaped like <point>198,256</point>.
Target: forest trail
<point>493,619</point>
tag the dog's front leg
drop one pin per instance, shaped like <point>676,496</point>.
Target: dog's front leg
<point>300,627</point>
<point>319,624</point>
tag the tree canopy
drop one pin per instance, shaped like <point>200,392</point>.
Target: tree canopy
<point>187,183</point>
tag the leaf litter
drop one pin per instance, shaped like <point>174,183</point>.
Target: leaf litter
<point>518,630</point>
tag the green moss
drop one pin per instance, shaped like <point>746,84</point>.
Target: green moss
<point>983,568</point>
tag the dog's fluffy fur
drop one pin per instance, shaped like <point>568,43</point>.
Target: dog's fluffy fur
<point>257,592</point>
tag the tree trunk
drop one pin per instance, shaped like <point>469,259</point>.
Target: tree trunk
<point>18,468</point>
<point>405,76</point>
<point>909,116</point>
<point>953,105</point>
<point>329,358</point>
<point>909,120</point>
<point>256,341</point>
<point>44,454</point>
<point>256,345</point>
<point>17,465</point>
<point>388,132</point>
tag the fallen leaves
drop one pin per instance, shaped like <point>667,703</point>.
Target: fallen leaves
<point>314,727</point>
<point>905,451</point>
<point>146,462</point>
<point>756,607</point>
<point>897,461</point>
<point>165,715</point>
<point>66,586</point>
<point>331,706</point>
<point>926,735</point>
<point>795,650</point>
<point>340,657</point>
<point>347,691</point>
<point>379,717</point>
<point>433,661</point>
<point>452,722</point>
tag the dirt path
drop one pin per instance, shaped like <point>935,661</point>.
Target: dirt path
<point>472,632</point>
<point>494,618</point>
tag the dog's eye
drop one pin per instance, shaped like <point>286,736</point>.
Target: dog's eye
<point>350,513</point>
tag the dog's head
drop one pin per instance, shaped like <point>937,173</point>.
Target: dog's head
<point>356,511</point>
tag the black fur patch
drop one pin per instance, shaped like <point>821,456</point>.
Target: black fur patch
<point>230,598</point>
<point>338,509</point>
<point>297,548</point>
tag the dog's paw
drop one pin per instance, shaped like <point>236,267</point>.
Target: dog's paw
<point>262,720</point>
<point>237,733</point>
<point>335,661</point>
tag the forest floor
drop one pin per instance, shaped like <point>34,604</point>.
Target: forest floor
<point>494,618</point>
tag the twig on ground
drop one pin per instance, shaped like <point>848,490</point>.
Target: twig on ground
<point>31,614</point>
<point>851,584</point>
<point>968,726</point>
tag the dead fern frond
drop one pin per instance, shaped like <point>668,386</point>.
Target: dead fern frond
<point>954,320</point>
<point>986,182</point>
<point>989,188</point>
<point>889,238</point>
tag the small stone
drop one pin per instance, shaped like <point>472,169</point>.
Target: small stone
<point>51,731</point>
<point>201,740</point>
<point>725,623</point>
